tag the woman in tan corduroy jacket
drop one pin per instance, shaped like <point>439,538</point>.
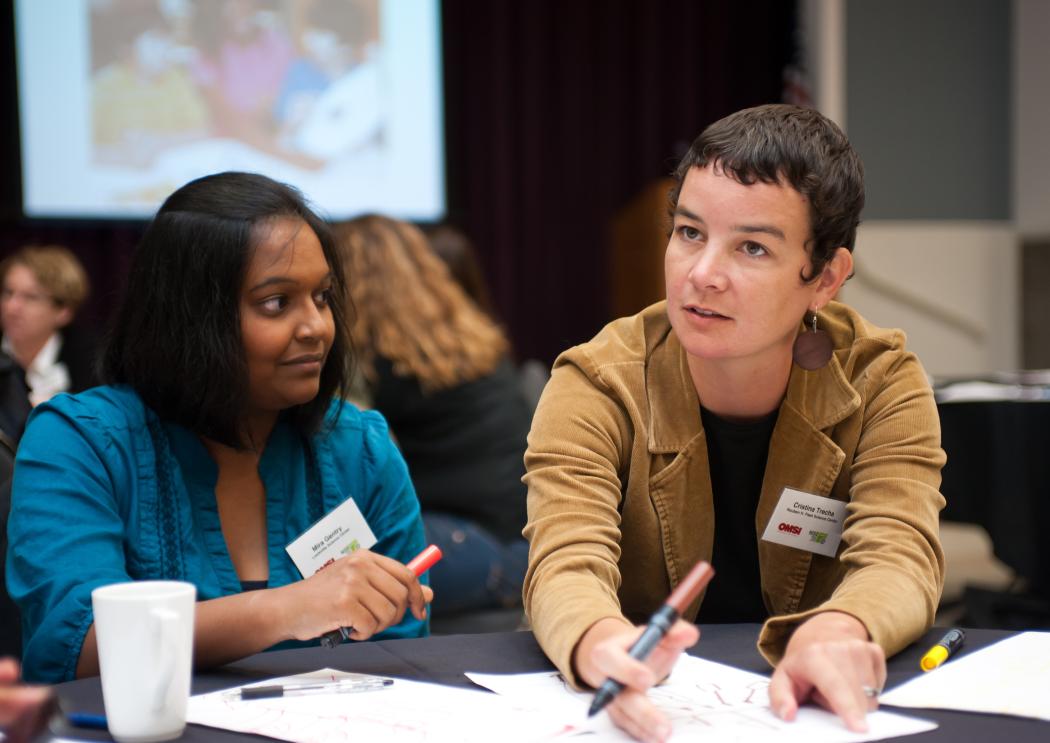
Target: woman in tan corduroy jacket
<point>643,435</point>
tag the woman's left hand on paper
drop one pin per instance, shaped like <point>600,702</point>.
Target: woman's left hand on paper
<point>830,661</point>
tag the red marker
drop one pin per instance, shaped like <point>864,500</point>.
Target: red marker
<point>425,560</point>
<point>419,564</point>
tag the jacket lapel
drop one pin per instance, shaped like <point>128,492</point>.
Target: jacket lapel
<point>802,457</point>
<point>674,408</point>
<point>681,491</point>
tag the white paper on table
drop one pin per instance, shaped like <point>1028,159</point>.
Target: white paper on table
<point>405,711</point>
<point>705,701</point>
<point>1011,677</point>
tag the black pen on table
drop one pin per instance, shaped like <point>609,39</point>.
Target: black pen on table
<point>419,564</point>
<point>659,624</point>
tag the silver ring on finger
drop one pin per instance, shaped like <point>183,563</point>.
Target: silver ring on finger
<point>871,692</point>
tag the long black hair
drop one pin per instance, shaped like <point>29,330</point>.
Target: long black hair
<point>176,338</point>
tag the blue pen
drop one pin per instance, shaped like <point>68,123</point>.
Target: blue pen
<point>87,720</point>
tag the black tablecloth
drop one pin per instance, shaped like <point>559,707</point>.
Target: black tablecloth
<point>444,660</point>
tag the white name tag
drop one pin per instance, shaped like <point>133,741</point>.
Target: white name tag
<point>342,531</point>
<point>807,522</point>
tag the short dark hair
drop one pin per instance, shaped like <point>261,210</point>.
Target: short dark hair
<point>176,338</point>
<point>781,143</point>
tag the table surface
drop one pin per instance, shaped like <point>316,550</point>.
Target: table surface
<point>444,659</point>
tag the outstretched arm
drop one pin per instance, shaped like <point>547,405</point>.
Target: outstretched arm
<point>364,590</point>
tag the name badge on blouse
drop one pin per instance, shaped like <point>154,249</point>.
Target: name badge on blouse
<point>342,531</point>
<point>807,522</point>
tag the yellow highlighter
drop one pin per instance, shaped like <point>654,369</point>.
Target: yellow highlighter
<point>943,650</point>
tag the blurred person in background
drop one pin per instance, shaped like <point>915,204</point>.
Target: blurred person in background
<point>438,368</point>
<point>42,289</point>
<point>455,249</point>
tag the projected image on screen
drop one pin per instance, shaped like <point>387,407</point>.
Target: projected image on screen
<point>338,97</point>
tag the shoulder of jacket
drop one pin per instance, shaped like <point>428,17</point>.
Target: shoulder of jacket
<point>866,351</point>
<point>850,330</point>
<point>623,343</point>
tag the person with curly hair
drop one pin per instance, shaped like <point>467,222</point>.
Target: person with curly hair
<point>438,368</point>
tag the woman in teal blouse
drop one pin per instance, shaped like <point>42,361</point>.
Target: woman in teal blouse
<point>217,443</point>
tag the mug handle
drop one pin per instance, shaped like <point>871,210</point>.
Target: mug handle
<point>165,624</point>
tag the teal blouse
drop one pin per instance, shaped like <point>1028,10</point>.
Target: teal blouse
<point>104,491</point>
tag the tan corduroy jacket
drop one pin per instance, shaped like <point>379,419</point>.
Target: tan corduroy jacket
<point>620,504</point>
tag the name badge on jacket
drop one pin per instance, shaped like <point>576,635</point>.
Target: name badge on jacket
<point>342,531</point>
<point>807,522</point>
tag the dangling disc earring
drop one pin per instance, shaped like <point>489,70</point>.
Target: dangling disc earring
<point>812,350</point>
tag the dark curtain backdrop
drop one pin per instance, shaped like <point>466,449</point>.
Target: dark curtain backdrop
<point>557,113</point>
<point>560,111</point>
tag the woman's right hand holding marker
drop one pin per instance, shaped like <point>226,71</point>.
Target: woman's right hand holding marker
<point>364,590</point>
<point>602,653</point>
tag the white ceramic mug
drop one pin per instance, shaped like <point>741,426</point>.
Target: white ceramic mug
<point>144,631</point>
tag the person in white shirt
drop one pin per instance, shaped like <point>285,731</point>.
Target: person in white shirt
<point>41,289</point>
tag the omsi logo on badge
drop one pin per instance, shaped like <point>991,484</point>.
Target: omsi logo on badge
<point>784,526</point>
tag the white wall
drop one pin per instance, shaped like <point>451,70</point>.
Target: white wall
<point>952,287</point>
